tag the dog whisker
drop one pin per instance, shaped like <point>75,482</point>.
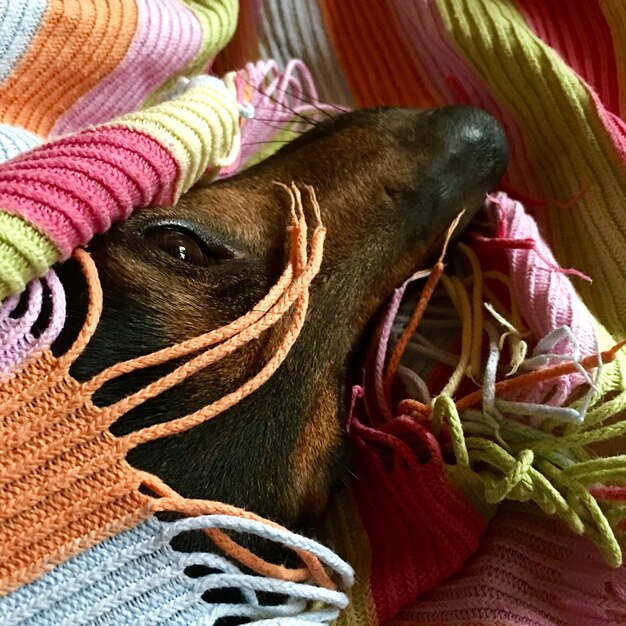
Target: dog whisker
<point>285,127</point>
<point>277,101</point>
<point>315,102</point>
<point>308,98</point>
<point>256,143</point>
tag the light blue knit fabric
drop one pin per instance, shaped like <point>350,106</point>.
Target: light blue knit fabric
<point>14,140</point>
<point>19,21</point>
<point>136,578</point>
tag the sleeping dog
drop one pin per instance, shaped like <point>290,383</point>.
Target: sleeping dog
<point>389,182</point>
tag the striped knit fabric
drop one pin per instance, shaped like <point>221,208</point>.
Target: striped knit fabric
<point>79,540</point>
<point>67,64</point>
<point>498,371</point>
<point>136,577</point>
<point>554,75</point>
<point>100,175</point>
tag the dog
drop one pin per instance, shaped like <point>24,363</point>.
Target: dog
<point>389,182</point>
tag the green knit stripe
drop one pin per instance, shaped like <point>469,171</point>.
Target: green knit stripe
<point>564,136</point>
<point>219,20</point>
<point>24,254</point>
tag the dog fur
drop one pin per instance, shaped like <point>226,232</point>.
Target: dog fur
<point>389,182</point>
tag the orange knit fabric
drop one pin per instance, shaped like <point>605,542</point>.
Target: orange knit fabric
<point>65,484</point>
<point>78,54</point>
<point>366,51</point>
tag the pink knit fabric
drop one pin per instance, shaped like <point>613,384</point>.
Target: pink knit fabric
<point>79,185</point>
<point>168,36</point>
<point>530,570</point>
<point>546,296</point>
<point>18,341</point>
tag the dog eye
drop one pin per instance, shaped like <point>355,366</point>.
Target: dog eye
<point>186,246</point>
<point>178,244</point>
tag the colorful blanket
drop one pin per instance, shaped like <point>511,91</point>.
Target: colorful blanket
<point>496,378</point>
<point>553,73</point>
<point>80,540</point>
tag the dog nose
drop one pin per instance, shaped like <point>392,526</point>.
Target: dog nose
<point>475,146</point>
<point>469,160</point>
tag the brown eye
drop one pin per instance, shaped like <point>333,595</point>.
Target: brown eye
<point>179,244</point>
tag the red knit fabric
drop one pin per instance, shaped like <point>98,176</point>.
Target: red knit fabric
<point>421,529</point>
<point>568,32</point>
<point>79,185</point>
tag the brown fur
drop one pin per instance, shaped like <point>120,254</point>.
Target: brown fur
<point>389,182</point>
<point>318,442</point>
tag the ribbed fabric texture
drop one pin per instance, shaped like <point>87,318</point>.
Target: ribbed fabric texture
<point>71,63</point>
<point>488,413</point>
<point>67,64</point>
<point>529,571</point>
<point>167,35</point>
<point>76,187</point>
<point>136,577</point>
<point>14,141</point>
<point>19,21</point>
<point>433,526</point>
<point>554,77</point>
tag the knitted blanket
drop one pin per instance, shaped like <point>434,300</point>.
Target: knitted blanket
<point>79,539</point>
<point>496,378</point>
<point>553,73</point>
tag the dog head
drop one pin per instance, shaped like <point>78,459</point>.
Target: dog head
<point>389,182</point>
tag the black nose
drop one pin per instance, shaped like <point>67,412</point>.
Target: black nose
<point>475,150</point>
<point>468,156</point>
<point>474,139</point>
